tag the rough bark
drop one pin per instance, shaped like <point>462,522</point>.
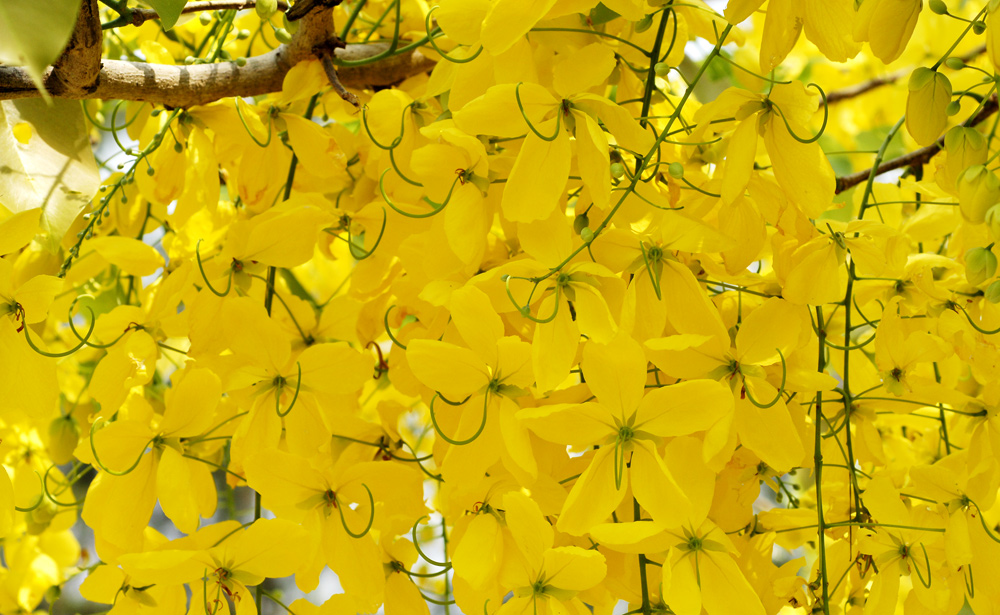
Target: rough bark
<point>80,73</point>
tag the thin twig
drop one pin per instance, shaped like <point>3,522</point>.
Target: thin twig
<point>867,86</point>
<point>141,16</point>
<point>916,157</point>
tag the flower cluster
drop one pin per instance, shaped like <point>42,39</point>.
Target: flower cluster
<point>622,301</point>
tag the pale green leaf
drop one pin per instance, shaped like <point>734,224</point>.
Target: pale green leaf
<point>51,166</point>
<point>169,11</point>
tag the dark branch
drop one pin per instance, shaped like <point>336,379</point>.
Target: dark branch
<point>915,158</point>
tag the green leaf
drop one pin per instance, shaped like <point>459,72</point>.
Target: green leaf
<point>34,32</point>
<point>168,10</point>
<point>46,162</point>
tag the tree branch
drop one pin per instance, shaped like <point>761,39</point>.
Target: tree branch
<point>917,157</point>
<point>140,16</point>
<point>199,84</point>
<point>877,82</point>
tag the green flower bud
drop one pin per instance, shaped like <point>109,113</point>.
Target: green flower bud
<point>283,36</point>
<point>955,63</point>
<point>953,108</point>
<point>927,105</point>
<point>64,435</point>
<point>937,7</point>
<point>662,69</point>
<point>993,292</point>
<point>617,170</point>
<point>266,8</point>
<point>965,147</point>
<point>993,220</point>
<point>587,234</point>
<point>978,190</point>
<point>580,222</point>
<point>676,170</point>
<point>643,24</point>
<point>980,265</point>
<point>979,26</point>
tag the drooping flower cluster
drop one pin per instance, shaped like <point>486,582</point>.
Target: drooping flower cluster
<point>627,301</point>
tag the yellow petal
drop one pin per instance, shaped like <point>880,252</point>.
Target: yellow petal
<point>684,408</point>
<point>191,404</point>
<point>477,322</point>
<point>738,11</point>
<point>18,230</point>
<point>774,326</point>
<point>532,533</point>
<point>582,69</point>
<point>594,495</point>
<point>592,156</point>
<point>451,370</point>
<point>480,551</point>
<point>509,20</point>
<point>725,591</point>
<point>655,488</point>
<point>801,169</point>
<point>554,346</point>
<point>739,159</point>
<point>574,568</point>
<point>569,424</point>
<point>537,182</point>
<point>616,374</point>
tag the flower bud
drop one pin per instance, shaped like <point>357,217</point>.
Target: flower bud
<point>676,170</point>
<point>992,219</point>
<point>980,265</point>
<point>965,147</point>
<point>64,435</point>
<point>927,105</point>
<point>283,36</point>
<point>937,7</point>
<point>643,24</point>
<point>955,63</point>
<point>978,190</point>
<point>993,292</point>
<point>266,8</point>
<point>580,222</point>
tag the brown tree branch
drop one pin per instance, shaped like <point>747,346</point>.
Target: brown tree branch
<point>877,82</point>
<point>76,71</point>
<point>199,84</point>
<point>917,157</point>
<point>141,16</point>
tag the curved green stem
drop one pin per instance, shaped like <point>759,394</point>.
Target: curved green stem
<point>295,397</point>
<point>520,106</point>
<point>416,543</point>
<point>201,268</point>
<point>431,37</point>
<point>100,464</point>
<point>781,389</point>
<point>927,562</point>
<point>243,121</point>
<point>371,516</point>
<point>66,353</point>
<point>396,141</point>
<point>822,129</point>
<point>38,501</point>
<point>388,330</point>
<point>437,428</point>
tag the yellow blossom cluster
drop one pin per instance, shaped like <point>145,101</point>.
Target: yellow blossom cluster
<point>644,306</point>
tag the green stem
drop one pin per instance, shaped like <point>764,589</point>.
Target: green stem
<point>818,460</point>
<point>643,582</point>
